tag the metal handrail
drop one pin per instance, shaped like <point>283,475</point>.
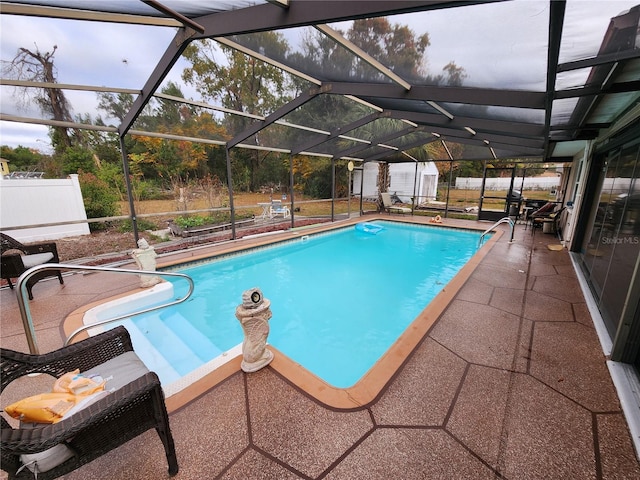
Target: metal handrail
<point>502,220</point>
<point>25,311</point>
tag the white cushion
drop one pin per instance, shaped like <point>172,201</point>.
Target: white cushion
<point>85,402</point>
<point>36,259</point>
<point>119,370</point>
<point>52,457</point>
<point>45,461</point>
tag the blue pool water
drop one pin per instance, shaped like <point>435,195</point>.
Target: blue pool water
<point>339,300</point>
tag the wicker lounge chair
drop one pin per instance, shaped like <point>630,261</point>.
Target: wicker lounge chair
<point>388,205</point>
<point>114,419</point>
<point>25,257</point>
<point>546,213</point>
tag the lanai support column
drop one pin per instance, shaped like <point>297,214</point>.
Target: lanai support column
<point>415,181</point>
<point>293,221</point>
<point>230,187</point>
<point>362,190</point>
<point>333,188</point>
<point>446,207</point>
<point>127,180</point>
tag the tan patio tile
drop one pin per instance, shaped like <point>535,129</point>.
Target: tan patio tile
<point>209,434</point>
<point>582,315</point>
<point>563,288</point>
<point>541,254</point>
<point>423,391</point>
<point>541,307</point>
<point>547,435</point>
<point>295,429</point>
<point>213,427</point>
<point>410,454</point>
<point>499,276</point>
<point>508,299</point>
<point>568,358</point>
<point>509,254</point>
<point>139,459</point>
<point>478,333</point>
<point>565,270</point>
<point>523,352</point>
<point>541,269</point>
<point>252,464</point>
<point>475,291</point>
<point>617,457</point>
<point>479,410</point>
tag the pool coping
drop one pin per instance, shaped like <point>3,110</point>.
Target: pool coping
<point>373,382</point>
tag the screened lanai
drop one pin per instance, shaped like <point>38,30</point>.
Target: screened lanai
<point>498,81</point>
<point>536,82</point>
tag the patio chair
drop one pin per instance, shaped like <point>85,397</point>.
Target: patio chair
<point>134,404</point>
<point>277,208</point>
<point>388,205</point>
<point>17,258</point>
<point>544,215</point>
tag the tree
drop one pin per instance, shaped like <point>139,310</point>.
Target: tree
<point>39,67</point>
<point>240,83</point>
<point>116,106</point>
<point>171,159</point>
<point>454,74</point>
<point>395,46</point>
<point>23,159</point>
<point>77,159</point>
<point>170,113</point>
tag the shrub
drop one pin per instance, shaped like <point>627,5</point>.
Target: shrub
<point>192,221</point>
<point>143,224</point>
<point>77,159</point>
<point>99,199</point>
<point>214,219</point>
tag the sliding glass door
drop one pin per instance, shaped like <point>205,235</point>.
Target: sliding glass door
<point>611,244</point>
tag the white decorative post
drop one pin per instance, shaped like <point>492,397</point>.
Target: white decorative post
<point>145,257</point>
<point>254,315</point>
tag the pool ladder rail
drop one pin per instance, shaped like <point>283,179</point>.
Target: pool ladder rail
<point>508,220</point>
<point>25,311</point>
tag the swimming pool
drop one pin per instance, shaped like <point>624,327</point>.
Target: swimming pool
<point>175,337</point>
<point>339,299</point>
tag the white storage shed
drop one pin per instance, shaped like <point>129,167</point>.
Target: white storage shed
<point>405,181</point>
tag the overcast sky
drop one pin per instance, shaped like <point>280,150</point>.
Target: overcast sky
<point>500,44</point>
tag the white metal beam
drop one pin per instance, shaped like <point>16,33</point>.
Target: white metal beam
<point>66,86</point>
<point>263,58</point>
<point>75,14</point>
<point>353,48</point>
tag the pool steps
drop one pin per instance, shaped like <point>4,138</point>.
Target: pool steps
<point>176,332</point>
<point>177,353</point>
<point>193,338</point>
<point>166,328</point>
<point>150,356</point>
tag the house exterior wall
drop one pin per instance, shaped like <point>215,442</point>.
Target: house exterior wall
<point>4,167</point>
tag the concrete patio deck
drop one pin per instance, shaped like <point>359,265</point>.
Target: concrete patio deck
<point>510,382</point>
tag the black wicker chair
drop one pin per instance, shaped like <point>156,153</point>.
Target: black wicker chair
<point>15,264</point>
<point>93,431</point>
